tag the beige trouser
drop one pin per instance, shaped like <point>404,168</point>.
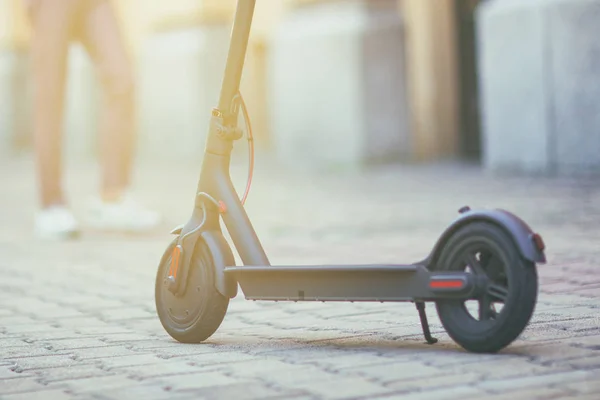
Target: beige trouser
<point>56,23</point>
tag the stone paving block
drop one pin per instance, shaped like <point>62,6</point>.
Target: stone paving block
<point>391,372</point>
<point>593,396</point>
<point>589,342</point>
<point>588,386</point>
<point>5,312</point>
<point>142,391</point>
<point>303,353</point>
<point>125,314</point>
<point>529,382</point>
<point>591,385</point>
<point>19,385</point>
<point>592,293</point>
<point>26,304</point>
<point>198,381</point>
<point>160,369</point>
<point>386,345</point>
<point>259,368</point>
<point>83,321</point>
<point>246,391</point>
<point>10,341</point>
<point>512,367</point>
<point>88,303</point>
<point>561,300</point>
<point>344,387</point>
<point>343,361</point>
<point>96,353</point>
<point>8,371</point>
<point>107,330</point>
<point>55,311</point>
<point>16,320</point>
<point>40,362</point>
<point>73,344</point>
<point>543,393</point>
<point>454,393</point>
<point>233,324</point>
<point>43,328</point>
<point>549,330</point>
<point>128,360</point>
<point>184,351</point>
<point>592,362</point>
<point>157,343</point>
<point>46,394</point>
<point>73,372</point>
<point>149,326</point>
<point>292,374</point>
<point>125,337</point>
<point>55,333</point>
<point>297,396</point>
<point>553,352</point>
<point>452,358</point>
<point>448,378</point>
<point>26,351</point>
<point>257,345</point>
<point>96,384</point>
<point>299,334</point>
<point>215,358</point>
<point>342,341</point>
<point>566,313</point>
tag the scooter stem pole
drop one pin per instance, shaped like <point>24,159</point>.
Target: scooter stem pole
<point>214,176</point>
<point>237,52</point>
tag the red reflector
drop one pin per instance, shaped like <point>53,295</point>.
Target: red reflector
<point>539,242</point>
<point>454,284</point>
<point>175,257</point>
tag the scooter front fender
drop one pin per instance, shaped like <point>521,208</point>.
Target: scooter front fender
<point>177,230</point>
<point>222,257</point>
<point>520,232</point>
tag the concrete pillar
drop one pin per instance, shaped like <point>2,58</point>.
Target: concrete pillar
<point>432,77</point>
<point>14,38</point>
<point>267,17</point>
<point>540,85</point>
<point>181,65</point>
<point>337,85</point>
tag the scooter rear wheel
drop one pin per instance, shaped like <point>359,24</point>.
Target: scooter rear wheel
<point>505,278</point>
<point>194,316</point>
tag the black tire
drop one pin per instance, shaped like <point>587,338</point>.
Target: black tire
<point>512,281</point>
<point>195,316</point>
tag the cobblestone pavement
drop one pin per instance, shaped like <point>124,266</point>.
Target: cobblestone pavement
<point>77,319</point>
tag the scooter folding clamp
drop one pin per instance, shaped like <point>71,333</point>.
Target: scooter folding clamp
<point>222,129</point>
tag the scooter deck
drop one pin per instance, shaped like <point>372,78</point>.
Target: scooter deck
<point>361,283</point>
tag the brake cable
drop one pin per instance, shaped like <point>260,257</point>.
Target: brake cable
<point>237,99</point>
<point>250,139</point>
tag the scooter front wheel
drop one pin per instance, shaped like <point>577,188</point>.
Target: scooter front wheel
<point>196,314</point>
<point>506,294</point>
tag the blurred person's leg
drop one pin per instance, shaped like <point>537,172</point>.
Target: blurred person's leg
<point>102,37</point>
<point>52,23</point>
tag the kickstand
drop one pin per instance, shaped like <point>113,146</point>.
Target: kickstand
<point>424,324</point>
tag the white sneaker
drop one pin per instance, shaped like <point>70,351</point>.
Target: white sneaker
<point>125,215</point>
<point>56,222</point>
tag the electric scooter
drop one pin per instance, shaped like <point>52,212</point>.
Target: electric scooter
<point>487,257</point>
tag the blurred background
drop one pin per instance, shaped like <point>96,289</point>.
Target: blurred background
<point>508,85</point>
<point>374,122</point>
